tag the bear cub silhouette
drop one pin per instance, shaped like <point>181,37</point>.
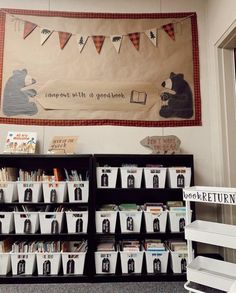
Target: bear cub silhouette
<point>179,104</point>
<point>15,98</point>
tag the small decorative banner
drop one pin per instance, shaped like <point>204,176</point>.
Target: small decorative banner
<point>116,41</point>
<point>98,42</point>
<point>169,144</point>
<point>81,41</point>
<point>134,38</point>
<point>169,29</point>
<point>63,38</point>
<point>152,35</point>
<point>44,35</point>
<point>28,28</point>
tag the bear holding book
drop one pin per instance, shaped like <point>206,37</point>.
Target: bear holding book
<point>180,102</point>
<point>16,98</point>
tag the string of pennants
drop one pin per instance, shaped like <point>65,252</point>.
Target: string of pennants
<point>98,40</point>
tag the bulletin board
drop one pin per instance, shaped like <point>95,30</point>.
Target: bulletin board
<point>64,68</point>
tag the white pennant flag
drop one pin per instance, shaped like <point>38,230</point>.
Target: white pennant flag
<point>116,41</point>
<point>44,35</point>
<point>81,41</point>
<point>152,35</point>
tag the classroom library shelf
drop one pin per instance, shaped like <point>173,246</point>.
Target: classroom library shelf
<point>97,197</point>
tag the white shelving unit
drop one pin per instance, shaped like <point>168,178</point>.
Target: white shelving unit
<point>205,271</point>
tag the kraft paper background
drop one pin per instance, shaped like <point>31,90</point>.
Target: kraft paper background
<point>69,71</point>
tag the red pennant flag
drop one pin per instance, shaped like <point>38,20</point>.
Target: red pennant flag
<point>28,28</point>
<point>169,29</point>
<point>134,38</point>
<point>64,38</point>
<point>98,42</point>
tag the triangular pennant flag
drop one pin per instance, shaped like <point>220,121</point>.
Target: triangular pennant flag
<point>28,28</point>
<point>152,35</point>
<point>98,42</point>
<point>116,41</point>
<point>44,35</point>
<point>134,38</point>
<point>169,29</point>
<point>64,38</point>
<point>81,41</point>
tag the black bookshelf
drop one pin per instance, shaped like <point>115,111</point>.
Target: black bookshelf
<point>97,197</point>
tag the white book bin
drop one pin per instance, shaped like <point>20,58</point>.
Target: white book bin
<point>107,177</point>
<point>178,262</point>
<point>155,177</point>
<point>130,221</point>
<point>6,222</point>
<point>29,191</point>
<point>48,263</point>
<point>156,262</point>
<point>50,222</point>
<point>106,221</point>
<point>77,221</point>
<point>105,262</point>
<point>78,191</point>
<point>26,222</point>
<point>177,220</point>
<point>23,263</point>
<point>54,191</point>
<point>179,177</point>
<point>131,177</point>
<point>73,263</point>
<point>155,221</point>
<point>131,262</point>
<point>8,191</point>
<point>5,263</point>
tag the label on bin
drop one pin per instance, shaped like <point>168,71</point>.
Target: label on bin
<point>53,195</point>
<point>130,224</point>
<point>28,185</point>
<point>70,267</point>
<point>104,180</point>
<point>78,193</point>
<point>28,194</point>
<point>21,267</point>
<point>156,225</point>
<point>130,181</point>
<point>131,266</point>
<point>183,265</point>
<point>46,267</point>
<point>105,265</point>
<point>156,265</point>
<point>3,185</point>
<point>105,226</point>
<point>79,226</point>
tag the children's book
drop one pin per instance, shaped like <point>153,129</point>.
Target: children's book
<point>20,142</point>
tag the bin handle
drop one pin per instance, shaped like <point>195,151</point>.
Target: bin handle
<point>186,286</point>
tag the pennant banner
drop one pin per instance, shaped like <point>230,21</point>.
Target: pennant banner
<point>98,42</point>
<point>44,35</point>
<point>152,35</point>
<point>81,41</point>
<point>63,38</point>
<point>169,29</point>
<point>134,38</point>
<point>28,28</point>
<point>116,41</point>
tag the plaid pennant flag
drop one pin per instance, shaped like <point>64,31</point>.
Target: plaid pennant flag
<point>116,41</point>
<point>98,42</point>
<point>152,35</point>
<point>44,35</point>
<point>81,41</point>
<point>64,38</point>
<point>169,29</point>
<point>134,38</point>
<point>28,28</point>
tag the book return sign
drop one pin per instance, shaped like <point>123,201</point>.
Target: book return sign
<point>222,197</point>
